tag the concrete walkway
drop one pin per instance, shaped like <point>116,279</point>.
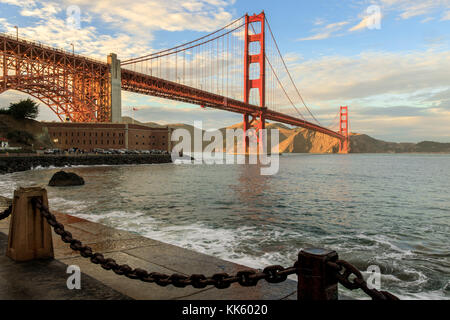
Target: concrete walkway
<point>47,279</point>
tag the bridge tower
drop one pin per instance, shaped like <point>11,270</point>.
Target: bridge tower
<point>254,121</point>
<point>343,129</point>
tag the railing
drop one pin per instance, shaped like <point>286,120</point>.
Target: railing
<point>318,270</point>
<point>47,47</point>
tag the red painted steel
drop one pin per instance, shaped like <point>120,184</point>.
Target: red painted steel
<point>77,87</point>
<point>343,130</point>
<point>72,86</point>
<point>254,121</point>
<point>153,86</point>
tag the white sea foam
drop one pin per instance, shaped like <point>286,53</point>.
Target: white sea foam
<point>219,242</point>
<point>74,207</point>
<point>39,167</point>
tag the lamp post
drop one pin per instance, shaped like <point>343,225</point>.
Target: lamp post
<point>17,32</point>
<point>73,48</point>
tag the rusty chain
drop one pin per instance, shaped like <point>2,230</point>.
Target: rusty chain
<point>5,214</point>
<point>343,271</point>
<point>246,278</point>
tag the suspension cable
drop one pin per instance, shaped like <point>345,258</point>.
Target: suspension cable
<point>159,55</point>
<point>182,45</point>
<point>292,80</point>
<point>279,82</point>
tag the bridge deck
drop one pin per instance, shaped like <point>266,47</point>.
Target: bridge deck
<point>141,83</point>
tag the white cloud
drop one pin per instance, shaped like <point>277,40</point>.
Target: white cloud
<point>326,31</point>
<point>133,23</point>
<point>361,25</point>
<point>20,3</point>
<point>87,40</point>
<point>427,19</point>
<point>319,22</point>
<point>417,80</point>
<point>143,16</point>
<point>372,73</point>
<point>446,16</point>
<point>47,9</point>
<point>413,8</point>
<point>371,20</point>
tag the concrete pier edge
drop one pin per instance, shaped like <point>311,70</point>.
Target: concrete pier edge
<point>46,279</point>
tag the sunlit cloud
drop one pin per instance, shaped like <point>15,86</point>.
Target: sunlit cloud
<point>326,32</point>
<point>446,16</point>
<point>371,73</point>
<point>366,22</point>
<point>413,8</point>
<point>137,22</point>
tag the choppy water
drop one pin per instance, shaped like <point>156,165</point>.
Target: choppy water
<point>387,210</point>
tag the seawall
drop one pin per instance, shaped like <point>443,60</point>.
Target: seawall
<point>46,279</point>
<point>9,164</point>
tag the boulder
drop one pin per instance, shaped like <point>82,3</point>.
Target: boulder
<point>65,179</point>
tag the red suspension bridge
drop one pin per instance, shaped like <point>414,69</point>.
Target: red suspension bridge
<point>238,68</point>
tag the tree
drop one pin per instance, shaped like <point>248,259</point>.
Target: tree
<point>24,109</point>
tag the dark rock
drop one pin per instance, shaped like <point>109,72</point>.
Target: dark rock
<point>65,179</point>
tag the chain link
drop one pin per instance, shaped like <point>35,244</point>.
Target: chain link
<point>246,278</point>
<point>343,271</point>
<point>5,214</point>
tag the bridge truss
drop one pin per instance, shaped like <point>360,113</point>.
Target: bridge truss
<point>238,68</point>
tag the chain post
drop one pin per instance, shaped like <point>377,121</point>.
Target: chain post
<point>316,280</point>
<point>30,236</point>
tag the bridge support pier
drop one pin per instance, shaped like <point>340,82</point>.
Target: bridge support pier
<point>255,124</point>
<point>115,84</point>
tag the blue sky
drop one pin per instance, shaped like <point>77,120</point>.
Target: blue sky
<point>394,78</point>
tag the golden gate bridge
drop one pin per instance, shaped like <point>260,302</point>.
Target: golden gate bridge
<point>238,68</point>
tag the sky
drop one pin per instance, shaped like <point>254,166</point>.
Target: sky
<point>388,60</point>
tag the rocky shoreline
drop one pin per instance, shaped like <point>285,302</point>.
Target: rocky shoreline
<point>9,164</point>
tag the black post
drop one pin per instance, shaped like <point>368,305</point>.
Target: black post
<point>316,280</point>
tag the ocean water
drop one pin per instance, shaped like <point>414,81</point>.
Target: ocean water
<point>388,210</point>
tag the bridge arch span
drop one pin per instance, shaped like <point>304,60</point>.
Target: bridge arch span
<point>57,99</point>
<point>74,87</point>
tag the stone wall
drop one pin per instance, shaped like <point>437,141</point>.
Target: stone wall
<point>10,164</point>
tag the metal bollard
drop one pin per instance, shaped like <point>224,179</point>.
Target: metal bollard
<point>30,236</point>
<point>315,279</point>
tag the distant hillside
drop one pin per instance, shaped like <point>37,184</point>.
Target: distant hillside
<point>362,143</point>
<point>292,140</point>
<point>300,140</point>
<point>149,124</point>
